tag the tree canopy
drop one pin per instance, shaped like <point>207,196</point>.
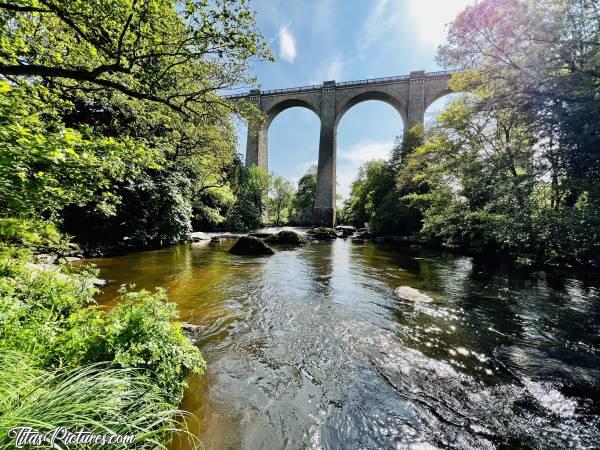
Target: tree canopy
<point>176,53</point>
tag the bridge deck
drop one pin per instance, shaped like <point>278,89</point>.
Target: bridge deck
<point>316,87</point>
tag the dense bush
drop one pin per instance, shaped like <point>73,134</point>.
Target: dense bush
<point>51,316</point>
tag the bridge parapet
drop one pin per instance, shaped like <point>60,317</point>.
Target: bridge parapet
<point>343,84</point>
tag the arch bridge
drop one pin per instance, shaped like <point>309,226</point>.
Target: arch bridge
<point>410,95</point>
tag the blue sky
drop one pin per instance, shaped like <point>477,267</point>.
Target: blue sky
<point>342,40</point>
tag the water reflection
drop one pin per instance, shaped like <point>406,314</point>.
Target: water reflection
<point>311,348</point>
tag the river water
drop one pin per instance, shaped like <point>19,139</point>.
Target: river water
<point>311,348</point>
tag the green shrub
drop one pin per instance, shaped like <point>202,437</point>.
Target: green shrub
<point>36,235</point>
<point>52,317</point>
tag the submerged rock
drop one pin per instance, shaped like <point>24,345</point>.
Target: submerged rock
<point>192,332</point>
<point>198,236</point>
<point>322,233</point>
<point>346,230</point>
<point>287,237</point>
<point>249,245</point>
<point>412,294</point>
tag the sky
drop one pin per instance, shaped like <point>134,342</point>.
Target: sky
<point>343,40</point>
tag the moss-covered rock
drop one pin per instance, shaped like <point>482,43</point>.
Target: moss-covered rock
<point>322,233</point>
<point>249,245</point>
<point>286,237</point>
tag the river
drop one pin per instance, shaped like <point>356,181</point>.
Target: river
<point>311,348</point>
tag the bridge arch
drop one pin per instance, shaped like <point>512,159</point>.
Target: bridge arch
<point>291,138</point>
<point>278,107</point>
<point>378,95</point>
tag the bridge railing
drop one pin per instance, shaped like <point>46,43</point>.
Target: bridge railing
<point>314,87</point>
<point>373,80</point>
<point>311,87</point>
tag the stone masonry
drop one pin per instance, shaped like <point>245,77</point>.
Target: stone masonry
<point>410,95</point>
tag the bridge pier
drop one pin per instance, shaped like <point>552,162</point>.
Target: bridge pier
<point>257,147</point>
<point>257,140</point>
<point>416,99</point>
<point>324,211</point>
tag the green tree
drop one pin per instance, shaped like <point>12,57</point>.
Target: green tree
<point>280,199</point>
<point>376,198</point>
<point>535,66</point>
<point>541,58</point>
<point>143,74</point>
<point>304,201</point>
<point>251,190</point>
<point>478,164</point>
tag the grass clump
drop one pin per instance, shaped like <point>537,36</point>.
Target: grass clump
<point>99,398</point>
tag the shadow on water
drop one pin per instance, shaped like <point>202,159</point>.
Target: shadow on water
<point>311,348</point>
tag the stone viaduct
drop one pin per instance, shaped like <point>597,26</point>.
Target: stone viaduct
<point>410,95</point>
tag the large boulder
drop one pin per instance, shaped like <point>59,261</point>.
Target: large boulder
<point>322,233</point>
<point>286,237</point>
<point>346,230</point>
<point>412,294</point>
<point>198,236</point>
<point>249,245</point>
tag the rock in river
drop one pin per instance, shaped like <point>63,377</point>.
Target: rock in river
<point>198,236</point>
<point>249,245</point>
<point>193,332</point>
<point>412,294</point>
<point>322,233</point>
<point>287,237</point>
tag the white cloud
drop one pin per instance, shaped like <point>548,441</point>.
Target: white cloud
<point>367,151</point>
<point>432,16</point>
<point>351,159</point>
<point>287,45</point>
<point>379,23</point>
<point>390,19</point>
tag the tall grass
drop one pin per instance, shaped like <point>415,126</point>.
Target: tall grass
<point>101,399</point>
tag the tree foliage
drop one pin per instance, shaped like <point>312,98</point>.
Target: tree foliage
<point>114,122</point>
<point>515,166</point>
<point>45,166</point>
<point>303,203</point>
<point>175,53</point>
<point>251,190</point>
